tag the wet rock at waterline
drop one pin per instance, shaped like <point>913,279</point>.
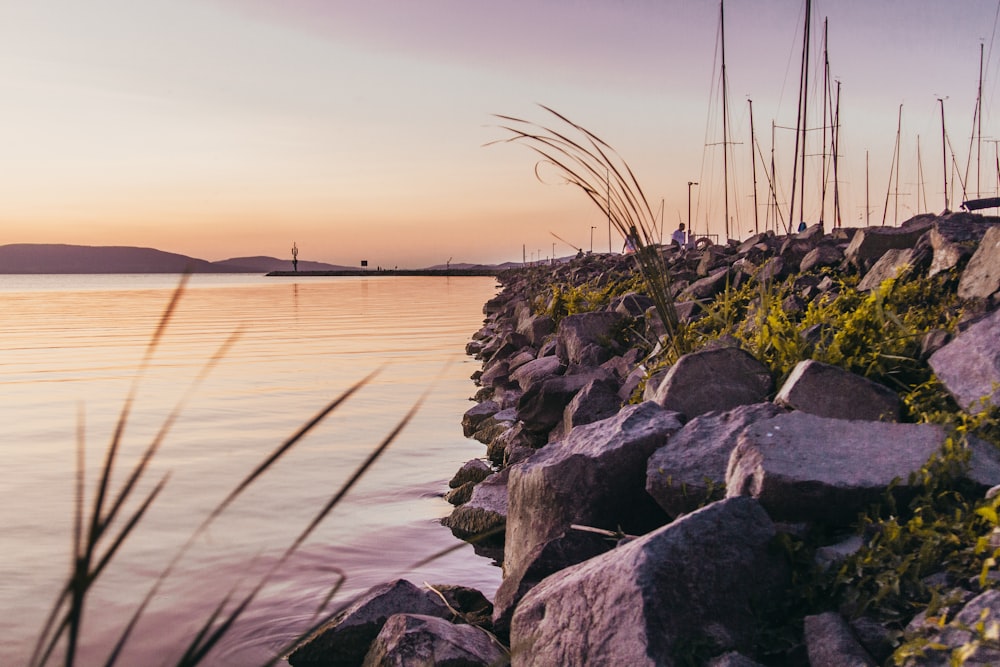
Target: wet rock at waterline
<point>414,640</point>
<point>345,640</point>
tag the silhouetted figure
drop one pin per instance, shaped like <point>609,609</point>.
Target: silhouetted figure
<point>295,257</point>
<point>679,236</point>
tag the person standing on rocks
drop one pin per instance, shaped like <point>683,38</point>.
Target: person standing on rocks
<point>679,236</point>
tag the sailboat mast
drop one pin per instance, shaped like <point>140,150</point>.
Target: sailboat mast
<point>944,155</point>
<point>892,167</point>
<point>805,107</point>
<point>725,115</point>
<point>800,122</point>
<point>920,180</point>
<point>899,157</point>
<point>753,163</point>
<point>835,133</point>
<point>774,183</point>
<point>826,85</point>
<point>979,123</point>
<point>868,206</point>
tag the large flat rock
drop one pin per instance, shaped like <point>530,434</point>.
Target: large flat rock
<point>698,579</point>
<point>802,467</point>
<point>719,379</point>
<point>690,469</point>
<point>829,391</point>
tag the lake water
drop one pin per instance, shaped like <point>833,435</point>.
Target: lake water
<point>70,352</point>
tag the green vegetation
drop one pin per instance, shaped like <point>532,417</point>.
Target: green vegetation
<point>917,555</point>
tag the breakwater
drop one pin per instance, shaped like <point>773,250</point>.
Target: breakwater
<point>485,271</point>
<point>795,472</point>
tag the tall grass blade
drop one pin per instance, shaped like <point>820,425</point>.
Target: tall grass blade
<point>98,521</point>
<point>197,652</point>
<point>358,473</point>
<point>592,165</point>
<point>75,592</point>
<point>220,508</point>
<point>288,444</point>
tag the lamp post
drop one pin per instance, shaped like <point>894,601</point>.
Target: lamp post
<point>690,183</point>
<point>592,228</point>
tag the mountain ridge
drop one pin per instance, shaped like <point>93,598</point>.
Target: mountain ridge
<point>62,258</point>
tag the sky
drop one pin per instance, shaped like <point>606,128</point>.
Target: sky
<point>367,130</point>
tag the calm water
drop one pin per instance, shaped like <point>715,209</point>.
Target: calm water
<point>70,350</point>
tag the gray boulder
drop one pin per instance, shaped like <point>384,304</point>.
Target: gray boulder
<point>476,415</point>
<point>981,277</point>
<point>706,287</point>
<point>696,580</point>
<point>691,468</point>
<point>485,512</point>
<point>592,478</point>
<point>969,366</point>
<point>952,242</point>
<point>415,640</point>
<point>829,391</point>
<point>583,339</point>
<point>831,643</point>
<point>345,639</point>
<point>536,371</point>
<point>460,494</point>
<point>473,471</point>
<point>496,374</point>
<point>869,243</point>
<point>542,404</point>
<point>771,270</point>
<point>520,359</point>
<point>596,401</point>
<point>631,304</point>
<point>888,266</point>
<point>807,468</point>
<point>960,631</point>
<point>536,328</point>
<point>825,254</point>
<point>719,379</point>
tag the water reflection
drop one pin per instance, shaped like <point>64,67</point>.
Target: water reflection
<point>71,345</point>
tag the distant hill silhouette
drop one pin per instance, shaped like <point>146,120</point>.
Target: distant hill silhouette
<point>59,258</point>
<point>62,258</point>
<point>464,266</point>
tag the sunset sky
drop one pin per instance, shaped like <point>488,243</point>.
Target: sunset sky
<point>226,128</point>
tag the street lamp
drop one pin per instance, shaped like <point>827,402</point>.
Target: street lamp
<point>690,183</point>
<point>592,228</point>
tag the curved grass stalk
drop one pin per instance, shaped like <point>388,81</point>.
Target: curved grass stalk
<point>592,165</point>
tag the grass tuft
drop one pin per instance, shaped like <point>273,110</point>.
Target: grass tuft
<point>588,162</point>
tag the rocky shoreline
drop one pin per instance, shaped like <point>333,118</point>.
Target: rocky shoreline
<point>729,503</point>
